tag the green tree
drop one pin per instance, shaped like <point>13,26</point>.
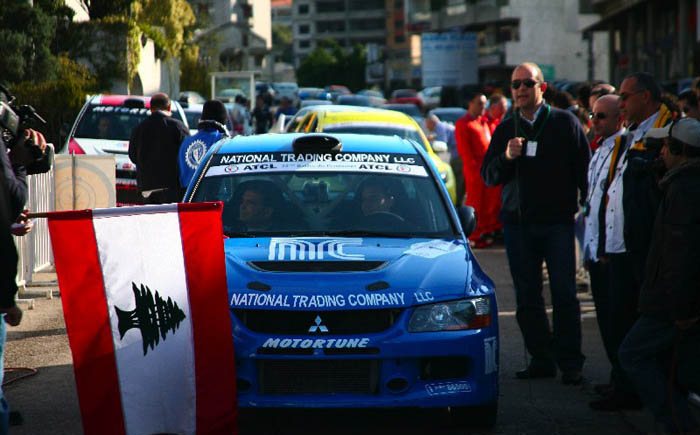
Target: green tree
<point>329,62</point>
<point>26,34</point>
<point>282,40</point>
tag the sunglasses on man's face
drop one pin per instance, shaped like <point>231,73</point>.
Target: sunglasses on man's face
<point>599,115</point>
<point>515,84</point>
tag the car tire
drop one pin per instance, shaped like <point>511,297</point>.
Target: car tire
<point>475,417</point>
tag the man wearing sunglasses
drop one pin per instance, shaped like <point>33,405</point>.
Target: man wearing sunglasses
<point>540,155</point>
<point>619,393</point>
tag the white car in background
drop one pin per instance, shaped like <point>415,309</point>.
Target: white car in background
<point>431,97</point>
<point>103,127</point>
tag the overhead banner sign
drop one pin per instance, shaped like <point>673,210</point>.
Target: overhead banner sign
<point>449,59</point>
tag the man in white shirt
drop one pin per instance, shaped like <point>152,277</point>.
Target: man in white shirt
<point>607,123</point>
<point>632,199</point>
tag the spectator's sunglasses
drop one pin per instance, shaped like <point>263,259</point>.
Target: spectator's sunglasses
<point>515,84</point>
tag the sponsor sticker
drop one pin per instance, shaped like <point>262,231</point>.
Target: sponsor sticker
<point>342,162</point>
<point>444,388</point>
<point>313,248</point>
<point>260,300</point>
<point>432,249</point>
<point>490,355</point>
<point>315,343</point>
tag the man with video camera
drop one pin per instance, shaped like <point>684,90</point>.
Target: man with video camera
<point>22,151</point>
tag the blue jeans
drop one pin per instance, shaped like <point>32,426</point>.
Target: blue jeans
<point>527,245</point>
<point>4,407</point>
<point>641,354</point>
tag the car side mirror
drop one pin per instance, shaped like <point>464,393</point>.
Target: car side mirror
<point>439,146</point>
<point>467,217</point>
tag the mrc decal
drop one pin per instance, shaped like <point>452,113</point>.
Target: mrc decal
<point>283,248</point>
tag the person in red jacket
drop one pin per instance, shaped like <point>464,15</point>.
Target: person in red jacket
<point>473,135</point>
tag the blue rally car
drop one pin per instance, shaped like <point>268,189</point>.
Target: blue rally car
<point>350,280</point>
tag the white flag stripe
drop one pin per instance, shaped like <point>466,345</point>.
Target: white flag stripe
<point>135,210</point>
<point>153,257</point>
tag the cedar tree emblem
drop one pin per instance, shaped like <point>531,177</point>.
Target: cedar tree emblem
<point>154,317</point>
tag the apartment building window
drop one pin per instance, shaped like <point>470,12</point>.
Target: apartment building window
<point>399,39</point>
<point>304,29</point>
<point>398,24</point>
<point>398,4</point>
<point>303,9</point>
<point>330,6</point>
<point>368,24</point>
<point>363,5</point>
<point>304,44</point>
<point>330,26</point>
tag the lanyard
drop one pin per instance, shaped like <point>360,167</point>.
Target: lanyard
<point>548,108</point>
<point>591,186</point>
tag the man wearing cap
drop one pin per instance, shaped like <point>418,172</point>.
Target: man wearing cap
<point>669,301</point>
<point>153,147</point>
<point>212,127</point>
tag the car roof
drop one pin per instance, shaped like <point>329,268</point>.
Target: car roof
<point>118,100</point>
<point>368,117</point>
<point>283,143</point>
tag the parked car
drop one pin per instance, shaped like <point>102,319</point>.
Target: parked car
<point>359,289</point>
<point>103,127</point>
<point>336,91</point>
<point>354,100</point>
<point>286,89</point>
<point>366,120</point>
<point>406,96</point>
<point>307,103</point>
<point>375,97</point>
<point>193,112</point>
<point>190,97</point>
<point>430,97</point>
<point>448,114</point>
<point>313,94</point>
<point>409,109</point>
<point>229,95</point>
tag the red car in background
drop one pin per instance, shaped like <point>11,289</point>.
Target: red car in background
<point>406,96</point>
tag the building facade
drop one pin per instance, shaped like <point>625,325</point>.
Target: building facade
<point>509,32</point>
<point>349,22</point>
<point>661,37</point>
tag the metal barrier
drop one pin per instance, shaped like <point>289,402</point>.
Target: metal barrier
<point>34,249</point>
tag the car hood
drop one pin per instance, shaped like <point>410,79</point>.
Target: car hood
<point>347,273</point>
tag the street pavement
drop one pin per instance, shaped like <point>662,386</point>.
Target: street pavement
<point>48,400</point>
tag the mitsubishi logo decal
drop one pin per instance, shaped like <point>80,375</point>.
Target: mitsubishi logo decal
<point>318,327</point>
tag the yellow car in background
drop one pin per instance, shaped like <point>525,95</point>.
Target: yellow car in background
<point>366,120</point>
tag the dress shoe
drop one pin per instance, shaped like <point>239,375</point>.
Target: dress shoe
<point>534,372</point>
<point>571,377</point>
<point>603,389</point>
<point>617,401</point>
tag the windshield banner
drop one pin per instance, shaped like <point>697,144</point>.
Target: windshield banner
<point>387,163</point>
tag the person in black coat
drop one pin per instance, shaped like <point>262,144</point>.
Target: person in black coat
<point>154,146</point>
<point>540,155</point>
<point>669,301</point>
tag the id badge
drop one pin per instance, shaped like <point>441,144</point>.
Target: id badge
<point>531,150</point>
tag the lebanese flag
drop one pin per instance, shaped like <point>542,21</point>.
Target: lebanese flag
<point>146,309</point>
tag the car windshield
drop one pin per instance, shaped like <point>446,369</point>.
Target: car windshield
<point>109,122</point>
<point>405,93</point>
<point>193,118</point>
<point>346,194</point>
<point>379,130</point>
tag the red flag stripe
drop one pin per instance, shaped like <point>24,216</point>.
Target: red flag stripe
<point>202,240</point>
<point>87,321</point>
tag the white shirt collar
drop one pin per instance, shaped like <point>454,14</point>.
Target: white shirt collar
<point>609,141</point>
<point>644,126</point>
<point>537,113</point>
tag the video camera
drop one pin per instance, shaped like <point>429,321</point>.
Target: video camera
<point>14,119</point>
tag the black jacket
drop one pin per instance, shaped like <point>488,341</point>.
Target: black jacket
<point>543,188</point>
<point>13,191</point>
<point>671,288</point>
<point>154,146</point>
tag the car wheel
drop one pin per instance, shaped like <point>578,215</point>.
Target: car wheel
<point>476,417</point>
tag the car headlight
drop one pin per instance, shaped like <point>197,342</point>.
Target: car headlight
<point>443,175</point>
<point>473,313</point>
